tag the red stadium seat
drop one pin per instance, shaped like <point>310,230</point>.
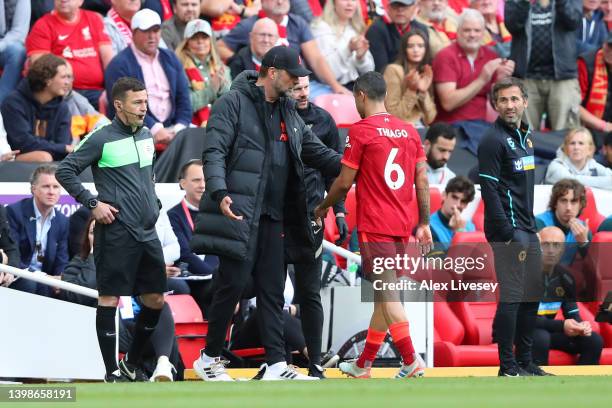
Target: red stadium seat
<point>189,326</point>
<point>341,107</point>
<point>478,217</point>
<point>590,212</point>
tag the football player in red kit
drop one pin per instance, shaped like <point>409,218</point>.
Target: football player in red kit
<point>385,157</point>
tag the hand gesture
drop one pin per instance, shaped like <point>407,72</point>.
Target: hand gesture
<point>580,231</point>
<point>354,43</point>
<point>227,211</point>
<point>456,222</point>
<point>3,257</point>
<point>488,70</point>
<point>104,213</point>
<point>320,213</point>
<point>587,330</point>
<point>425,79</point>
<point>505,69</point>
<point>9,155</point>
<point>164,135</point>
<point>423,236</point>
<point>411,80</point>
<point>172,271</point>
<point>572,328</point>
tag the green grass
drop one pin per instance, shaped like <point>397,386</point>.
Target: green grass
<point>554,392</point>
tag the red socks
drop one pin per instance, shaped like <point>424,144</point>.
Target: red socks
<point>401,338</point>
<point>372,344</point>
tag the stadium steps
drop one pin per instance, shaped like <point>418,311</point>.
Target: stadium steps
<point>248,373</point>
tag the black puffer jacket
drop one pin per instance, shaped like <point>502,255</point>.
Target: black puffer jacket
<point>237,157</point>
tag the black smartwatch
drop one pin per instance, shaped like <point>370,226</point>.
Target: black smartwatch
<point>92,203</point>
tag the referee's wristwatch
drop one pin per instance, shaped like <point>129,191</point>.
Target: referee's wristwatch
<point>92,203</point>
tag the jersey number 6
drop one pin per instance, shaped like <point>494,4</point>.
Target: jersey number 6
<point>391,168</point>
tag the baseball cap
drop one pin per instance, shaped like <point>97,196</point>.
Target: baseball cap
<point>197,26</point>
<point>404,2</point>
<point>145,19</point>
<point>286,58</point>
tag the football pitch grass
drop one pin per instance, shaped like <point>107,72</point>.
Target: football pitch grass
<point>474,392</point>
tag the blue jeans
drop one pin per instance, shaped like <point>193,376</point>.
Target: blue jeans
<point>11,62</point>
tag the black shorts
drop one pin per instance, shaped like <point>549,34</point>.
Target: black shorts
<point>125,266</point>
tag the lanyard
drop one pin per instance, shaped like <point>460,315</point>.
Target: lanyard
<point>187,214</point>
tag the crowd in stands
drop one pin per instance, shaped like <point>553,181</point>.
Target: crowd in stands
<point>59,60</point>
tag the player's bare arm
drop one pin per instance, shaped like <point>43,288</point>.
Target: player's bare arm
<point>338,191</point>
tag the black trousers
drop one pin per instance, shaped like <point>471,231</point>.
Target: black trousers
<point>266,265</point>
<point>308,296</point>
<point>519,273</point>
<point>588,348</point>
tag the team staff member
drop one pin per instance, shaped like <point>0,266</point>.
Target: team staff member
<point>127,253</point>
<point>308,275</point>
<point>385,155</point>
<point>505,157</point>
<point>254,209</point>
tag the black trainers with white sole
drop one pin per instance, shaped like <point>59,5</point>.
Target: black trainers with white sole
<point>132,372</point>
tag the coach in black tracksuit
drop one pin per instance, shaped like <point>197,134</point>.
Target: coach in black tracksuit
<point>506,169</point>
<point>308,275</point>
<point>252,159</point>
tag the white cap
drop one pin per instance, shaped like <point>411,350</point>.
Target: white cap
<point>197,26</point>
<point>145,19</point>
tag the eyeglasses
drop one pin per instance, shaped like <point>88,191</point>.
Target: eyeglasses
<point>40,256</point>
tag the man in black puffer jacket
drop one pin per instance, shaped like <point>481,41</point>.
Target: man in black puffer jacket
<point>254,209</point>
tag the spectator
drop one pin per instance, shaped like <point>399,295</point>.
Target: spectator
<point>79,37</point>
<point>604,6</point>
<point>605,156</point>
<point>224,15</point>
<point>82,271</point>
<point>339,34</point>
<point>163,8</point>
<point>439,144</point>
<point>463,74</point>
<point>548,67</point>
<point>567,200</point>
<point>571,334</point>
<point>6,153</point>
<point>169,106</point>
<point>385,33</point>
<point>172,252</point>
<point>575,160</point>
<point>293,31</point>
<point>174,28</point>
<point>496,34</point>
<point>409,80</point>
<point>40,232</point>
<point>263,37</point>
<point>9,253</point>
<point>40,120</point>
<point>593,31</point>
<point>14,26</point>
<point>117,23</point>
<point>85,117</point>
<point>441,22</point>
<point>182,217</point>
<point>208,77</point>
<point>593,73</point>
<point>445,222</point>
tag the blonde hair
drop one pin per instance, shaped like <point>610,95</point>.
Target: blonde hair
<point>575,131</point>
<point>329,16</point>
<point>186,57</point>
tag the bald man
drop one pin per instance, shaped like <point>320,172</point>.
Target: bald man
<point>263,37</point>
<point>572,334</point>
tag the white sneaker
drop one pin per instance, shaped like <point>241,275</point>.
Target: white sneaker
<point>289,372</point>
<point>416,369</point>
<point>211,369</point>
<point>163,371</point>
<point>351,369</point>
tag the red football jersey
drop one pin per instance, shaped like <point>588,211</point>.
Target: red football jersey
<point>384,150</point>
<point>77,42</point>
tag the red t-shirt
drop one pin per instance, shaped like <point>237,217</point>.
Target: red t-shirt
<point>385,151</point>
<point>77,42</point>
<point>452,65</point>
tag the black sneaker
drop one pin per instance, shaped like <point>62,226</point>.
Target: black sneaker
<point>116,378</point>
<point>132,372</point>
<point>534,370</point>
<point>316,370</point>
<point>512,371</point>
<point>261,372</point>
